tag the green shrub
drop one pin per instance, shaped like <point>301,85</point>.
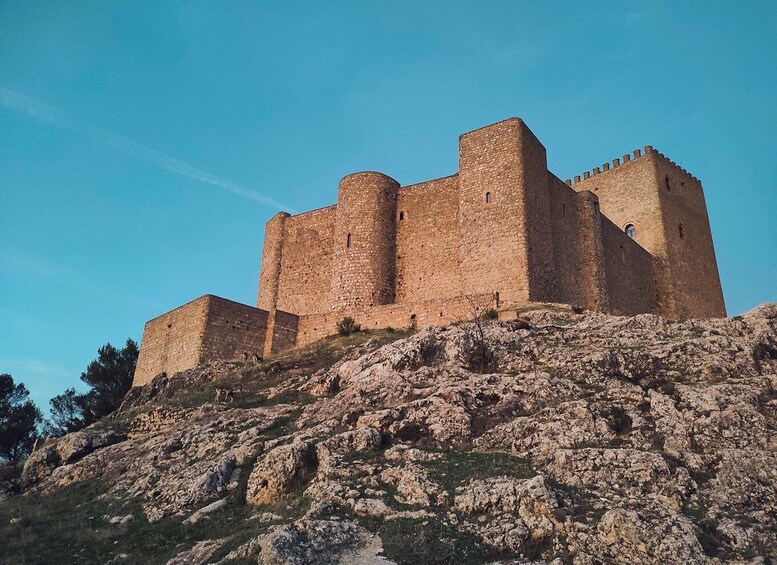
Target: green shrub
<point>347,326</point>
<point>618,420</point>
<point>490,314</point>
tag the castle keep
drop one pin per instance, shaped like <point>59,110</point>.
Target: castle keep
<point>631,236</point>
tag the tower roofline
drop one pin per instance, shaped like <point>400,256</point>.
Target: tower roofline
<point>624,161</point>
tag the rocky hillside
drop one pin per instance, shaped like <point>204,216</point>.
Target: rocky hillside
<point>583,438</point>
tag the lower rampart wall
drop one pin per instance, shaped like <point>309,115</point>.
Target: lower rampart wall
<point>206,329</point>
<point>428,313</point>
<point>567,252</point>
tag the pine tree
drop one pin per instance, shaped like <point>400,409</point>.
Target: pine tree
<point>19,420</point>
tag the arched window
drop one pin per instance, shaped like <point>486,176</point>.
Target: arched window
<point>680,231</point>
<point>348,241</point>
<point>488,198</point>
<point>666,180</point>
<point>630,230</point>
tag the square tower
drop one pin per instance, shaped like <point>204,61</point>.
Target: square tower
<point>662,207</point>
<point>504,213</point>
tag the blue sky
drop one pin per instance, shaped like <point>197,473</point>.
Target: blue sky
<point>144,144</point>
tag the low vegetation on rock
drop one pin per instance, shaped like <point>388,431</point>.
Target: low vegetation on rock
<point>581,438</point>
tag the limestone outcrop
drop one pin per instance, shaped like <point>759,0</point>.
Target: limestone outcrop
<point>589,439</point>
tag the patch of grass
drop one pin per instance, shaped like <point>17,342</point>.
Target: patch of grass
<point>590,389</point>
<point>282,426</point>
<point>456,468</point>
<point>67,526</point>
<point>324,352</point>
<point>120,425</point>
<point>411,541</point>
<point>366,456</point>
<point>709,538</point>
<point>490,314</point>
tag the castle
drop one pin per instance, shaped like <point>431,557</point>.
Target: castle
<point>628,237</point>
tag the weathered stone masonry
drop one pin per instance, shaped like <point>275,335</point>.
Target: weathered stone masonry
<point>502,226</point>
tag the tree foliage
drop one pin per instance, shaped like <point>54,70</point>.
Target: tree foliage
<point>109,377</point>
<point>69,413</point>
<point>19,419</point>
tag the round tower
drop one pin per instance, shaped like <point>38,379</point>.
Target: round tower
<point>365,241</point>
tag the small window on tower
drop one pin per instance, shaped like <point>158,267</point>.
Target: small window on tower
<point>630,230</point>
<point>680,231</point>
<point>488,198</point>
<point>666,180</point>
<point>401,216</point>
<point>348,241</point>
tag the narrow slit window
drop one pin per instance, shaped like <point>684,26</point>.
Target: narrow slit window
<point>348,241</point>
<point>488,198</point>
<point>666,180</point>
<point>630,230</point>
<point>680,231</point>
<point>401,216</point>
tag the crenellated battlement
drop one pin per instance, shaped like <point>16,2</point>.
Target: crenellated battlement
<point>676,166</point>
<point>616,163</point>
<point>625,160</point>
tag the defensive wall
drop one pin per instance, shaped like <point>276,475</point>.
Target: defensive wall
<point>628,237</point>
<point>503,225</point>
<point>209,329</point>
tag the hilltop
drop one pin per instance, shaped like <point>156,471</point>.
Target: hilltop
<point>583,438</point>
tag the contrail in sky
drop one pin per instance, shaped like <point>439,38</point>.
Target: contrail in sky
<point>50,115</point>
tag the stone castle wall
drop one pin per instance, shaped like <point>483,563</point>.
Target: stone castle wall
<point>232,329</point>
<point>206,329</point>
<point>426,313</point>
<point>503,226</point>
<point>364,259</point>
<point>171,342</point>
<point>427,222</point>
<point>652,193</point>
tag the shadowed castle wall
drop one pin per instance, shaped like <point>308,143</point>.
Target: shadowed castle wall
<point>281,332</point>
<point>231,329</point>
<point>631,284</point>
<point>569,261</point>
<point>269,274</point>
<point>691,257</point>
